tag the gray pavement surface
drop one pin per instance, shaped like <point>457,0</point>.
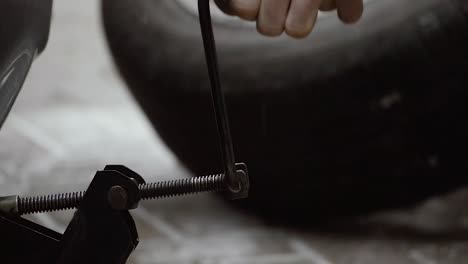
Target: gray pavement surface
<point>74,116</point>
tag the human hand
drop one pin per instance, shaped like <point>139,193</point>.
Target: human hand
<point>295,17</point>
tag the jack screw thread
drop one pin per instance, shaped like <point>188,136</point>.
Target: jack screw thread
<point>211,183</point>
<point>49,203</point>
<point>65,201</point>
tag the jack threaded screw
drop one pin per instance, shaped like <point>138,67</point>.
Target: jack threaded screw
<point>212,183</point>
<point>65,201</point>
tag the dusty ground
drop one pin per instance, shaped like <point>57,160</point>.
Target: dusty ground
<point>74,116</point>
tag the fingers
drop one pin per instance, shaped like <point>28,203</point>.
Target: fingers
<point>328,5</point>
<point>296,17</point>
<point>225,6</point>
<point>301,17</point>
<point>246,9</point>
<point>350,11</point>
<point>272,17</point>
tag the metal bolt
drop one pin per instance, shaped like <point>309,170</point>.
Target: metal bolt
<point>117,196</point>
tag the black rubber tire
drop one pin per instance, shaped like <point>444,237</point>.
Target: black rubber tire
<point>24,32</point>
<point>348,121</point>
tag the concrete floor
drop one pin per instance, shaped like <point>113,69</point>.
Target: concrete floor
<point>74,116</point>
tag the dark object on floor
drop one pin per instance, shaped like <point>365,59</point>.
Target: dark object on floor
<point>96,234</point>
<point>351,120</point>
<point>102,230</point>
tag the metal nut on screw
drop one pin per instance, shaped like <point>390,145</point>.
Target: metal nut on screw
<point>117,197</point>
